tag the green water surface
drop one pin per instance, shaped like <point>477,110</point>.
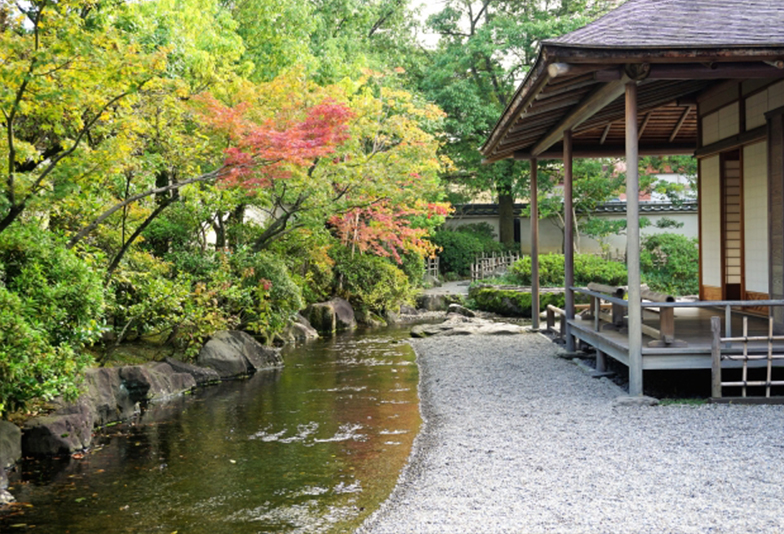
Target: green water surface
<point>313,447</point>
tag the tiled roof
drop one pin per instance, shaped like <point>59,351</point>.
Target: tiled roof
<point>683,24</point>
<point>491,210</point>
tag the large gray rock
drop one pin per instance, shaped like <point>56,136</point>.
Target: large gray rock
<point>299,331</point>
<point>430,302</point>
<point>202,375</point>
<point>460,310</point>
<point>58,434</point>
<point>10,444</point>
<point>344,315</point>
<point>233,354</point>
<point>155,383</point>
<point>106,394</point>
<point>332,316</point>
<point>322,317</point>
<point>459,325</point>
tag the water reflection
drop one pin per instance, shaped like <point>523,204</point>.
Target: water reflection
<point>313,447</point>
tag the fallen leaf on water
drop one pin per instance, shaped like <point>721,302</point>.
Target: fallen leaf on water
<point>233,461</point>
<point>19,525</point>
<point>80,499</point>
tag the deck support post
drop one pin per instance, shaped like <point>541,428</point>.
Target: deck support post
<point>633,242</point>
<point>601,361</point>
<point>715,357</point>
<point>534,217</point>
<point>568,239</point>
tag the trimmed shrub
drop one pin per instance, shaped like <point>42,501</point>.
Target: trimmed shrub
<point>371,283</point>
<point>587,269</point>
<point>670,264</point>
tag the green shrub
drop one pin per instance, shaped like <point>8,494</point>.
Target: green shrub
<point>460,249</point>
<point>50,304</point>
<point>275,297</point>
<point>371,283</point>
<point>587,269</point>
<point>252,291</point>
<point>670,264</point>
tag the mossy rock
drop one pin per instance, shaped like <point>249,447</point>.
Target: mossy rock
<point>514,302</point>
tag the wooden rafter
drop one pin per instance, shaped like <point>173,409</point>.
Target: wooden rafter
<point>592,103</point>
<point>680,123</point>
<point>606,133</point>
<point>644,124</point>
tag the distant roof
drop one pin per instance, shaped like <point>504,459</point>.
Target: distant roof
<point>612,206</point>
<point>683,24</point>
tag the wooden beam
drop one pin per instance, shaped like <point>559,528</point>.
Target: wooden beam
<point>714,71</point>
<point>736,141</point>
<point>644,124</point>
<point>611,151</point>
<point>605,133</point>
<point>583,111</point>
<point>680,123</point>
<point>568,238</point>
<point>633,242</point>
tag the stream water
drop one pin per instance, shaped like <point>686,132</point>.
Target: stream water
<point>313,447</point>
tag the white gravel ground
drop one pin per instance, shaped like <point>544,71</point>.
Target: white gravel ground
<point>519,440</point>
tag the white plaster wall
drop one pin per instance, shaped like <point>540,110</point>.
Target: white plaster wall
<point>755,207</point>
<point>710,128</point>
<point>551,237</point>
<point>764,101</point>
<point>711,221</point>
<point>721,124</point>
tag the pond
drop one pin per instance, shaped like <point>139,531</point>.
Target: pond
<point>313,447</point>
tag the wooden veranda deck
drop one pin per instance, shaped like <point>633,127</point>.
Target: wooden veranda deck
<point>692,328</point>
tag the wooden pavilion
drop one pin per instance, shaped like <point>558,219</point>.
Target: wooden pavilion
<point>665,77</point>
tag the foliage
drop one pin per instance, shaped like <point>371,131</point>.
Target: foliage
<point>461,248</point>
<point>371,283</point>
<point>484,49</point>
<point>50,308</point>
<point>670,264</point>
<point>275,296</point>
<point>587,269</point>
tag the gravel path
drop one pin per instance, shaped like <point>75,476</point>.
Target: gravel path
<point>519,440</point>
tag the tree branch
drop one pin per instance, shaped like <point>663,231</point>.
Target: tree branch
<point>108,213</point>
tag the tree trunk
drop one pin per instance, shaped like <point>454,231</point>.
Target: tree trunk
<point>506,218</point>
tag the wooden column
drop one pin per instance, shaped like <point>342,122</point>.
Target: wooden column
<point>534,200</point>
<point>568,238</point>
<point>633,241</point>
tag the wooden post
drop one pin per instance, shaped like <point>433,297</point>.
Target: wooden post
<point>633,241</point>
<point>601,361</point>
<point>667,324</point>
<point>534,246</point>
<point>568,239</point>
<point>716,357</point>
<point>550,319</point>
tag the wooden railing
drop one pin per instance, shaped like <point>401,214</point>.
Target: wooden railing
<point>717,384</point>
<point>666,305</point>
<point>488,264</point>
